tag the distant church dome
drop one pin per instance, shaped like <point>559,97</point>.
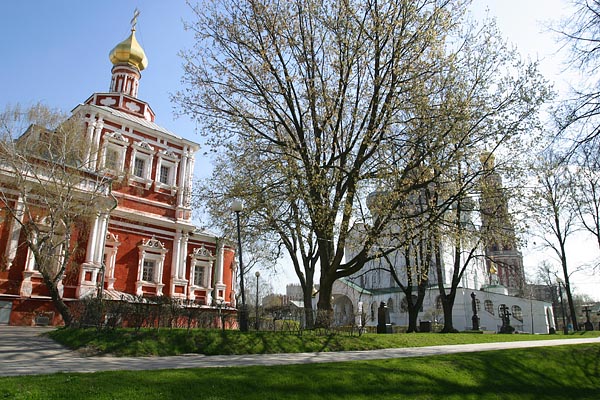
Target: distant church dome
<point>129,52</point>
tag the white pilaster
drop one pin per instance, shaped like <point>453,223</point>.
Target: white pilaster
<point>182,179</point>
<point>183,256</point>
<point>175,267</point>
<point>102,230</point>
<point>91,125</point>
<point>189,180</point>
<point>92,241</point>
<point>220,260</point>
<point>14,233</point>
<point>96,142</point>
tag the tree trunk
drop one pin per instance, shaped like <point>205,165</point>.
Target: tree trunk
<point>413,313</point>
<point>309,318</point>
<point>571,305</point>
<point>57,300</point>
<point>447,305</point>
<point>324,310</point>
<point>568,286</point>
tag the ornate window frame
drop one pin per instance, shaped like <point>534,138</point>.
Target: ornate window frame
<point>114,141</point>
<point>168,159</point>
<point>151,250</point>
<point>143,151</point>
<point>201,257</point>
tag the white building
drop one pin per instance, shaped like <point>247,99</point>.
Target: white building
<point>486,275</point>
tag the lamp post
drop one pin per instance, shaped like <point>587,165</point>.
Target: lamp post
<point>237,206</point>
<point>256,323</point>
<point>562,306</point>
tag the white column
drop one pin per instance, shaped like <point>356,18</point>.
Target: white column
<point>110,267</point>
<point>219,266</point>
<point>191,292</point>
<point>190,177</point>
<point>92,239</point>
<point>30,263</point>
<point>102,228</point>
<point>91,124</point>
<point>182,181</point>
<point>175,273</point>
<point>183,255</point>
<point>96,142</point>
<point>160,284</point>
<point>14,233</point>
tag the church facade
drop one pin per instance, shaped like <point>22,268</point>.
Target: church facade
<point>144,244</point>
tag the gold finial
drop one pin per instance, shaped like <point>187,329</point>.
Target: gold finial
<point>136,13</point>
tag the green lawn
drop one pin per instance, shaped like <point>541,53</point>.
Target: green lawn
<point>564,372</point>
<point>150,342</point>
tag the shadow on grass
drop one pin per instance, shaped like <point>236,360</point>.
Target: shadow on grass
<point>542,373</point>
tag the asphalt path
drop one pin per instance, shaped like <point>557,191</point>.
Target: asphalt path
<point>25,351</point>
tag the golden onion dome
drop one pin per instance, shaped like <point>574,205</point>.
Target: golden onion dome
<point>129,52</point>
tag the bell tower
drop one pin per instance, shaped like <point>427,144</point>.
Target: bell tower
<point>504,260</point>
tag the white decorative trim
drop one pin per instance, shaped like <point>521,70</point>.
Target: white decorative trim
<point>110,254</point>
<point>153,250</point>
<point>153,244</point>
<point>145,152</point>
<point>202,252</point>
<point>201,258</point>
<point>108,101</point>
<point>116,137</point>
<point>143,145</point>
<point>169,154</point>
<point>134,107</point>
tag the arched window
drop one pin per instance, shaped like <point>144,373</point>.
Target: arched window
<point>478,304</point>
<point>373,311</point>
<point>404,304</point>
<point>517,313</point>
<point>489,306</point>
<point>390,305</point>
<point>438,303</point>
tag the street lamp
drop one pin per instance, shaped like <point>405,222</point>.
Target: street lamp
<point>256,324</point>
<point>237,206</point>
<point>562,306</point>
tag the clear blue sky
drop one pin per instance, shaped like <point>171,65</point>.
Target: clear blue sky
<point>56,52</point>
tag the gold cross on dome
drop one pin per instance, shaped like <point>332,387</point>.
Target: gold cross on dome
<point>136,13</point>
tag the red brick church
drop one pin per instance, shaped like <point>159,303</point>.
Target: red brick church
<point>146,245</point>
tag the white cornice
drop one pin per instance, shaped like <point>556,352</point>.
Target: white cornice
<point>140,124</point>
<point>153,219</point>
<point>142,200</point>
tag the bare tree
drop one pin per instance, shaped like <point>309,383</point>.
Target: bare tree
<point>49,195</point>
<point>315,104</point>
<point>457,234</point>
<point>586,188</point>
<point>411,263</point>
<point>579,114</point>
<point>554,214</point>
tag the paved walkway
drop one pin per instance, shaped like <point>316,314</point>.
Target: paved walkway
<point>23,351</point>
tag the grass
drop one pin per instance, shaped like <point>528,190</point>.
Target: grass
<point>563,372</point>
<point>165,342</point>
